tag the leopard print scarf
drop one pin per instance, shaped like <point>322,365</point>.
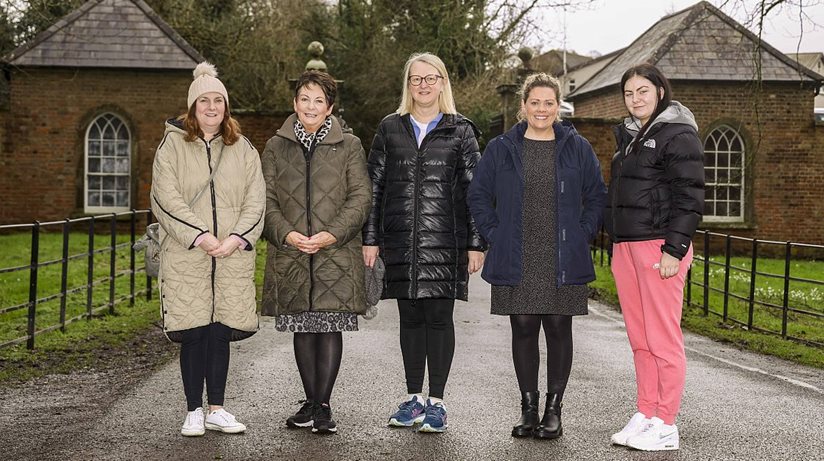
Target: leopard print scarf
<point>307,139</point>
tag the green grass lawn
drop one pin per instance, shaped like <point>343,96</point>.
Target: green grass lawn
<point>803,295</point>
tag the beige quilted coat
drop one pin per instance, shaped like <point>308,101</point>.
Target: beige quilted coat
<point>195,288</point>
<point>339,199</point>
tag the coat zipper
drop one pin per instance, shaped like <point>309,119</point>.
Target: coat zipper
<point>308,157</point>
<point>214,220</point>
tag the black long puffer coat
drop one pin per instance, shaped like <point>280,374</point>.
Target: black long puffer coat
<point>420,218</point>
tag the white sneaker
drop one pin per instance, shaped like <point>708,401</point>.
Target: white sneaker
<point>656,436</point>
<point>633,427</point>
<point>193,425</point>
<point>223,421</point>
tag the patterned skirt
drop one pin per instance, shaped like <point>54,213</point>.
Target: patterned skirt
<point>317,322</point>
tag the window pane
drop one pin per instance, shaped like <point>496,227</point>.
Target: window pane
<point>94,182</point>
<point>108,148</point>
<point>736,144</point>
<point>108,165</point>
<point>122,133</point>
<point>94,132</point>
<point>723,159</point>
<point>710,159</point>
<point>108,198</point>
<point>721,209</point>
<point>108,132</point>
<point>709,176</point>
<point>723,176</point>
<point>94,165</point>
<point>122,148</point>
<point>723,145</point>
<point>709,209</point>
<point>122,165</point>
<point>94,198</point>
<point>122,183</point>
<point>735,209</point>
<point>108,182</point>
<point>94,148</point>
<point>122,199</point>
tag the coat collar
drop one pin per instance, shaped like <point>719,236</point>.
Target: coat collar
<point>286,131</point>
<point>564,131</point>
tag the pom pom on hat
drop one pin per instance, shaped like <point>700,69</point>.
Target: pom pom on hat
<point>205,81</point>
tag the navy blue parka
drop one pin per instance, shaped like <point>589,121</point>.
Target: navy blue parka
<point>496,200</point>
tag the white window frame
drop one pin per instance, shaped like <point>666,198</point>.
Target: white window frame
<point>89,209</point>
<point>731,134</point>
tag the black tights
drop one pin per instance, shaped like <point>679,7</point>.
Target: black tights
<point>427,335</point>
<point>318,356</point>
<point>525,355</point>
<point>204,354</point>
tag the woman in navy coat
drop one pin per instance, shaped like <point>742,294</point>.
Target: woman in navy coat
<point>537,198</point>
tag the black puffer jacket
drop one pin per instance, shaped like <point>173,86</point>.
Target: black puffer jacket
<point>658,191</point>
<point>420,218</point>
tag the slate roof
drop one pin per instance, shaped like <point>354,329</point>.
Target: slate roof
<point>700,43</point>
<point>108,33</point>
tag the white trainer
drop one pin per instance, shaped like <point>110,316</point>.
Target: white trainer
<point>635,425</point>
<point>193,425</point>
<point>223,421</point>
<point>656,436</point>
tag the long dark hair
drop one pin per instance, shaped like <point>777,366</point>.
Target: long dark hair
<point>654,75</point>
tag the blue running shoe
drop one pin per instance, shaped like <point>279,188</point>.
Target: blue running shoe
<point>435,420</point>
<point>409,413</point>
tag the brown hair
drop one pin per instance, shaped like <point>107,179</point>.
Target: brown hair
<point>323,80</point>
<point>229,127</point>
<point>537,81</point>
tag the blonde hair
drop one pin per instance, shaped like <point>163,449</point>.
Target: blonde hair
<point>540,80</point>
<point>446,103</point>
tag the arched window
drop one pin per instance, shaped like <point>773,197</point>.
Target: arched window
<point>724,161</point>
<point>108,165</point>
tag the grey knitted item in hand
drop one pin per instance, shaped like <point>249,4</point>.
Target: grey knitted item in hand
<point>374,287</point>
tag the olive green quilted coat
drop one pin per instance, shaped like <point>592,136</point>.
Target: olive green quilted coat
<point>337,200</point>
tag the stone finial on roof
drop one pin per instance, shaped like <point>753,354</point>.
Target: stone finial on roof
<point>316,52</point>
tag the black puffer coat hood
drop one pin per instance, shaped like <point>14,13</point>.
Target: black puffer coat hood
<point>420,218</point>
<point>658,190</point>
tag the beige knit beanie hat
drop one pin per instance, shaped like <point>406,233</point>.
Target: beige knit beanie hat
<point>206,82</point>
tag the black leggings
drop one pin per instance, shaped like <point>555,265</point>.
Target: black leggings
<point>427,335</point>
<point>204,354</point>
<point>318,357</point>
<point>525,355</point>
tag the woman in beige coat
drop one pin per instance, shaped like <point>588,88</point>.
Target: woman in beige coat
<point>318,196</point>
<point>208,195</point>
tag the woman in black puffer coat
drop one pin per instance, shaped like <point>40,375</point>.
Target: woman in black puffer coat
<point>421,165</point>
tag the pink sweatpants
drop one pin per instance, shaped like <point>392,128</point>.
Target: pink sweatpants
<point>652,313</point>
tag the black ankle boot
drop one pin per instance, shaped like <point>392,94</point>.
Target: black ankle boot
<point>529,415</point>
<point>550,427</point>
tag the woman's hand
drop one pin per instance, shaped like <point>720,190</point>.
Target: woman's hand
<point>669,265</point>
<point>476,261</point>
<point>209,243</point>
<point>228,246</point>
<point>318,242</point>
<point>370,254</point>
<point>296,239</point>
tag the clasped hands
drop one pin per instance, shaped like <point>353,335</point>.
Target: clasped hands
<point>310,245</point>
<point>219,248</point>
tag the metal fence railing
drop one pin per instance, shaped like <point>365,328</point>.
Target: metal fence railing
<point>727,279</point>
<point>111,227</point>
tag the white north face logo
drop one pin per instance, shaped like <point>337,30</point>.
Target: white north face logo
<point>649,143</point>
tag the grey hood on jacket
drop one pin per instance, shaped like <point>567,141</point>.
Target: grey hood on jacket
<point>675,113</point>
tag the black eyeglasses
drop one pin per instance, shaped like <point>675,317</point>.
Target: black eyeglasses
<point>430,79</point>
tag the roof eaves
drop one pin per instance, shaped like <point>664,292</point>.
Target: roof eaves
<point>168,30</point>
<point>65,21</point>
<point>656,56</point>
<point>764,45</point>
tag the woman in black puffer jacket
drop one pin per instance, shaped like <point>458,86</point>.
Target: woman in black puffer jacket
<point>421,165</point>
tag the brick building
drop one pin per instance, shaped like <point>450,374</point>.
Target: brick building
<point>764,152</point>
<point>84,110</point>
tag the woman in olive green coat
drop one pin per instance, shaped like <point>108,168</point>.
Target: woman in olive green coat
<point>318,195</point>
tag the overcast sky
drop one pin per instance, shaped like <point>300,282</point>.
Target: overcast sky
<point>612,24</point>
